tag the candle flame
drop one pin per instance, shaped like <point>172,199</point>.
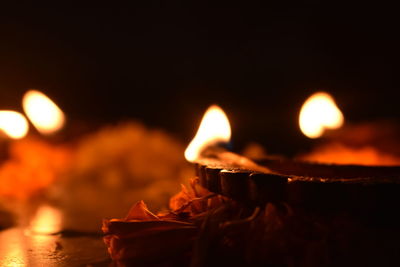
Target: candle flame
<point>47,220</point>
<point>13,124</point>
<point>319,112</point>
<point>44,114</point>
<point>214,128</point>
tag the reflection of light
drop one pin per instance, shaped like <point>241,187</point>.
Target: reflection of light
<point>12,249</point>
<point>44,114</point>
<point>318,113</point>
<point>46,221</point>
<point>13,124</point>
<point>214,128</point>
<point>41,232</point>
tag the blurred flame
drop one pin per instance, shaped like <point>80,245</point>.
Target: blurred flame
<point>13,124</point>
<point>318,113</point>
<point>44,114</point>
<point>47,220</point>
<point>214,128</point>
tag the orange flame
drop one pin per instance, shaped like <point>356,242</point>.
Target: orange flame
<point>13,124</point>
<point>214,128</point>
<point>318,113</point>
<point>44,114</point>
<point>47,220</point>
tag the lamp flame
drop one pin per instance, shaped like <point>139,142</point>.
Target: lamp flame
<point>44,114</point>
<point>214,128</point>
<point>319,112</point>
<point>13,124</point>
<point>47,220</point>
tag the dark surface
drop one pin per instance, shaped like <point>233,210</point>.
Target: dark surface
<point>166,65</point>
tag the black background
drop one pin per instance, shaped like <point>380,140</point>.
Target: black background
<point>165,66</point>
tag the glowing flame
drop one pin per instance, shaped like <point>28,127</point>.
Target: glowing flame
<point>44,114</point>
<point>318,113</point>
<point>13,124</point>
<point>47,220</point>
<point>214,128</point>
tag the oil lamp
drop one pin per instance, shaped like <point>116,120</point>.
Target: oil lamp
<point>256,211</point>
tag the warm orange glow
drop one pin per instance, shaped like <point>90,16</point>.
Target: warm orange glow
<point>47,220</point>
<point>318,113</point>
<point>13,252</point>
<point>340,154</point>
<point>13,124</point>
<point>32,165</point>
<point>214,128</point>
<point>44,114</point>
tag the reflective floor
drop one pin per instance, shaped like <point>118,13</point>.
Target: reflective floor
<point>42,241</point>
